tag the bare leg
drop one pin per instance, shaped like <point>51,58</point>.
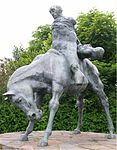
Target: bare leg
<point>105,104</point>
<point>80,105</point>
<point>28,131</point>
<point>97,86</point>
<point>53,107</point>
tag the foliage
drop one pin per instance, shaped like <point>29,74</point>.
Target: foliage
<point>95,28</point>
<point>41,38</point>
<point>98,29</point>
<point>11,118</point>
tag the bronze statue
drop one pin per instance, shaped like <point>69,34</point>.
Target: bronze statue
<point>60,70</point>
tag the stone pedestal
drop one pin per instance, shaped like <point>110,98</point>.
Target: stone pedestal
<point>59,140</point>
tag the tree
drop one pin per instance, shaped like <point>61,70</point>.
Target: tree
<point>98,29</point>
<point>41,37</point>
<point>95,28</point>
<point>17,51</point>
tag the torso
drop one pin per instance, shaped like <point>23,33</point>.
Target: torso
<point>63,34</point>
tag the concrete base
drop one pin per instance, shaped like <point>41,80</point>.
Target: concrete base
<point>59,140</point>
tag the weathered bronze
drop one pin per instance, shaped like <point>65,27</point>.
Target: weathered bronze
<point>62,69</point>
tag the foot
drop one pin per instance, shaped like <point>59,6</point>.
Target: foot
<point>43,143</point>
<point>24,138</point>
<point>111,136</point>
<point>77,131</point>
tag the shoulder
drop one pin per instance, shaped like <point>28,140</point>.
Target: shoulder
<point>72,20</point>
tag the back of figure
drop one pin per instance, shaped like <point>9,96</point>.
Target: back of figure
<point>63,34</point>
<point>64,40</point>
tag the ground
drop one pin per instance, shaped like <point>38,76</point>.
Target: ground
<point>59,140</point>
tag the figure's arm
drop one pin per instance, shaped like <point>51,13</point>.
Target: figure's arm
<point>78,42</point>
<point>72,20</point>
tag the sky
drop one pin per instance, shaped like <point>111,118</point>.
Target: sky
<point>19,18</point>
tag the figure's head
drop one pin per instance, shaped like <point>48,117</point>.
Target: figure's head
<point>55,11</point>
<point>20,100</point>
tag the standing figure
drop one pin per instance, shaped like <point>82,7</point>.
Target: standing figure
<point>64,40</point>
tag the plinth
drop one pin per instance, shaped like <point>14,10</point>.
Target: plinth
<point>59,140</point>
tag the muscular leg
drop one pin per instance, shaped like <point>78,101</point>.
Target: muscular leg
<point>53,107</point>
<point>105,104</point>
<point>98,89</point>
<point>97,86</point>
<point>38,99</point>
<point>80,105</point>
<point>29,129</point>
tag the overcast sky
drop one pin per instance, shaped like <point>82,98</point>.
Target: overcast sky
<point>18,18</point>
